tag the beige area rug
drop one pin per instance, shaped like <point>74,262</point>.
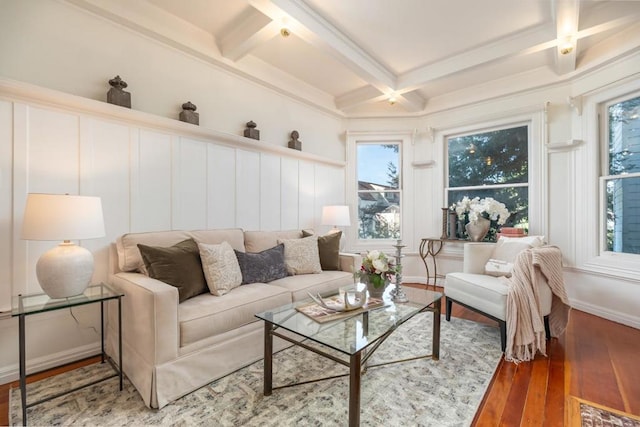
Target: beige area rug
<point>582,413</point>
<point>423,392</point>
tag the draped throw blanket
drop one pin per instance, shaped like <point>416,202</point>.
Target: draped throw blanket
<point>525,323</point>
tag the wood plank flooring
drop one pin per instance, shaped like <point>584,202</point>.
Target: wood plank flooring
<point>596,360</point>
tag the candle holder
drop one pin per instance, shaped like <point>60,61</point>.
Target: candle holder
<point>397,294</point>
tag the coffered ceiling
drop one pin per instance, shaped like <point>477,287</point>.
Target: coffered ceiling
<point>387,57</point>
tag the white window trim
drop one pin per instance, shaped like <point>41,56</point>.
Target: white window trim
<point>405,139</point>
<point>538,212</point>
<point>590,253</point>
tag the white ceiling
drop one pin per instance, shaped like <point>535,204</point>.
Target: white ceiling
<point>351,56</point>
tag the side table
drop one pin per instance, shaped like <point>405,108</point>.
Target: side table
<point>26,305</point>
<point>431,247</point>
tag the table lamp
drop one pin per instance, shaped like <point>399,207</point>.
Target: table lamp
<point>337,215</point>
<point>65,270</point>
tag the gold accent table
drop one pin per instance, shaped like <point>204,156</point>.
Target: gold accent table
<point>431,247</point>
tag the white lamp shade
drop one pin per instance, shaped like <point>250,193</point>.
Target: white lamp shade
<point>65,270</point>
<point>336,215</point>
<point>62,217</point>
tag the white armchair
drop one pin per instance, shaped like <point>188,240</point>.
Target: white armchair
<point>485,294</point>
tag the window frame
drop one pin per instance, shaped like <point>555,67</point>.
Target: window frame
<point>405,141</point>
<point>589,200</point>
<point>604,175</point>
<point>537,178</point>
<point>447,175</point>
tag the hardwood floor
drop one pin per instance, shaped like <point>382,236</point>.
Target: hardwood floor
<point>596,360</point>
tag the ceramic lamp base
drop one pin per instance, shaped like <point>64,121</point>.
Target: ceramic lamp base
<point>65,270</point>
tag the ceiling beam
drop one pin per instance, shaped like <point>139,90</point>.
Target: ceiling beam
<point>566,14</point>
<point>411,101</point>
<point>254,30</point>
<point>515,45</point>
<point>317,31</point>
<point>363,95</point>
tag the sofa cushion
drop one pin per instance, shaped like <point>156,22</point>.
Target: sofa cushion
<point>129,258</point>
<point>205,316</point>
<point>328,249</point>
<point>178,265</point>
<point>258,241</point>
<point>301,256</point>
<point>325,283</point>
<point>220,266</point>
<point>262,267</point>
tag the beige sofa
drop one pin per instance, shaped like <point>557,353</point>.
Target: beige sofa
<point>171,348</point>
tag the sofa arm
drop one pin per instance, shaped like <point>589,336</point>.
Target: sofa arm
<point>476,256</point>
<point>150,313</point>
<point>350,262</point>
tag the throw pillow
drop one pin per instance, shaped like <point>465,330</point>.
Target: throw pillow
<point>328,249</point>
<point>507,249</point>
<point>178,265</point>
<point>221,268</point>
<point>262,267</point>
<point>497,268</point>
<point>301,256</point>
<point>534,241</point>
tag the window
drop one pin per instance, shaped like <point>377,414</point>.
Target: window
<point>379,190</point>
<point>491,164</point>
<point>621,176</point>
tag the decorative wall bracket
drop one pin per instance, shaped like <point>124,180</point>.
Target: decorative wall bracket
<point>575,102</point>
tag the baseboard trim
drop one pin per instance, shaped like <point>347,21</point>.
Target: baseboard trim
<point>625,319</point>
<point>12,372</point>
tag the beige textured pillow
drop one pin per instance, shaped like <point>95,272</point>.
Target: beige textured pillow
<point>220,266</point>
<point>534,241</point>
<point>301,256</point>
<point>507,249</point>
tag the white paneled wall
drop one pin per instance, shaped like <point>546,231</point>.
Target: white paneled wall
<point>150,180</point>
<point>6,226</point>
<point>152,174</point>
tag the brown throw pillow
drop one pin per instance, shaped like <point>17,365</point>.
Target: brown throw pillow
<point>329,249</point>
<point>178,265</point>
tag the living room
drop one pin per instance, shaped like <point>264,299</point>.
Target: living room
<point>154,172</point>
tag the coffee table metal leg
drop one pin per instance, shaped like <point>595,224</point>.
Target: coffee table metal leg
<point>23,368</point>
<point>437,305</point>
<point>354,389</point>
<point>268,358</point>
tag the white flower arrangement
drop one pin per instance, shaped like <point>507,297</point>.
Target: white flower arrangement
<point>378,267</point>
<point>486,208</point>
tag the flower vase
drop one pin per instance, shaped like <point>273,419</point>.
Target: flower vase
<point>478,229</point>
<point>376,284</point>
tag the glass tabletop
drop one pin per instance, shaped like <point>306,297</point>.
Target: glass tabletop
<point>39,303</point>
<point>353,334</point>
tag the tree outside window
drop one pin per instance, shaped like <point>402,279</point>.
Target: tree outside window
<point>492,164</point>
<point>379,190</point>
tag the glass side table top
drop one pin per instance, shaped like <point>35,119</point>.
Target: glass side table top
<point>39,303</point>
<point>351,335</point>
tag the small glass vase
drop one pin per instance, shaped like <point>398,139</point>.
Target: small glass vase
<point>478,229</point>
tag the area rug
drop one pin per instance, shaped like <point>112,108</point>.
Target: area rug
<point>582,413</point>
<point>422,392</point>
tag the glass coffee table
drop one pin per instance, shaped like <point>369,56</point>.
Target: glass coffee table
<point>356,337</point>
